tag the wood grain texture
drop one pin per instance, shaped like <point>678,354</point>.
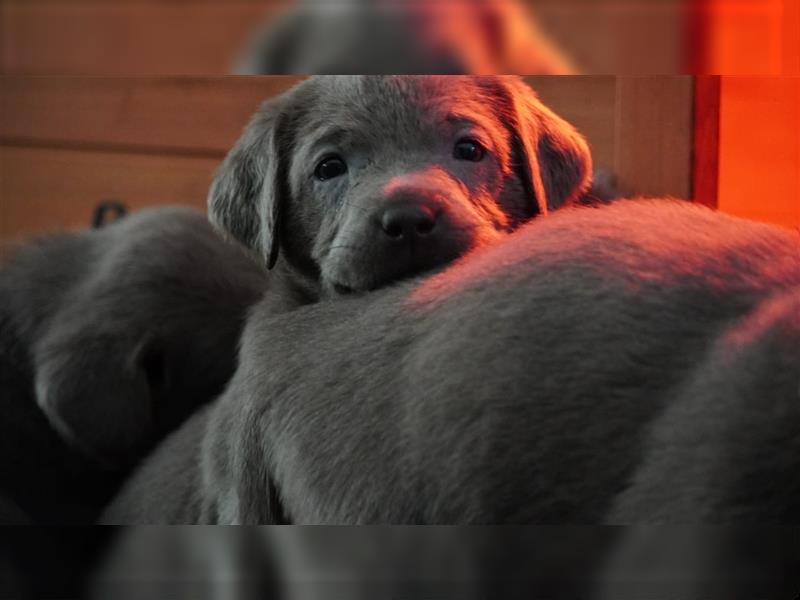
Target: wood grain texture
<point>43,189</point>
<point>639,128</point>
<point>206,115</point>
<point>705,155</point>
<point>186,115</point>
<point>654,135</point>
<point>131,37</point>
<point>588,102</point>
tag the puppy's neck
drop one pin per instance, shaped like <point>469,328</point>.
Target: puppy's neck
<point>290,288</point>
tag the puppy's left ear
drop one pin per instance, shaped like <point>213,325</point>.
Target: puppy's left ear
<point>248,190</point>
<point>555,158</point>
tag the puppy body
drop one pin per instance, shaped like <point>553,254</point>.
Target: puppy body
<point>108,340</point>
<point>575,373</point>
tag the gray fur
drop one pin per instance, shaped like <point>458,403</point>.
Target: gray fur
<point>108,339</point>
<point>395,136</point>
<point>724,451</point>
<point>741,407</point>
<point>570,374</point>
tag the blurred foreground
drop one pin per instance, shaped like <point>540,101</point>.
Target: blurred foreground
<point>306,563</point>
<point>194,37</point>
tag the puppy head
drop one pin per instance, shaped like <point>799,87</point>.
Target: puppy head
<point>361,181</point>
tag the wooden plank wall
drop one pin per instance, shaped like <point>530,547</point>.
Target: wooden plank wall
<point>705,155</point>
<point>128,37</point>
<point>67,143</point>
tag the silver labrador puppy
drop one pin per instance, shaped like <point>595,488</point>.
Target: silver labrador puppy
<point>633,363</point>
<point>348,183</point>
<point>108,339</point>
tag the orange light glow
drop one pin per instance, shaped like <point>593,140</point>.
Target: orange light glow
<point>752,37</point>
<point>759,151</point>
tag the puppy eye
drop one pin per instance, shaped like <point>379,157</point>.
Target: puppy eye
<point>469,149</point>
<point>330,167</point>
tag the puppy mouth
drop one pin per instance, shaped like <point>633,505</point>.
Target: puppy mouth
<point>355,273</point>
<point>341,289</point>
<point>346,290</point>
<point>377,281</point>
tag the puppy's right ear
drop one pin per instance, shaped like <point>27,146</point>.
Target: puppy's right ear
<point>248,192</point>
<point>556,158</point>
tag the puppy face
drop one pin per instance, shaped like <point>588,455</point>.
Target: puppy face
<point>361,181</point>
<point>399,176</point>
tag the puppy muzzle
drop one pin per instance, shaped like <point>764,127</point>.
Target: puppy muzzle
<point>401,240</point>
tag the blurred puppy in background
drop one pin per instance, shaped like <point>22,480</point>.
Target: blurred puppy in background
<point>416,36</point>
<point>345,184</point>
<point>109,338</point>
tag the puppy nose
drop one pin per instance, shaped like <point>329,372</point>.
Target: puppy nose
<point>408,221</point>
